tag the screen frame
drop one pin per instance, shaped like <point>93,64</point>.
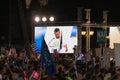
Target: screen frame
<point>33,38</point>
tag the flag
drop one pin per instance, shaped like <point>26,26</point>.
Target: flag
<point>35,75</point>
<point>25,59</point>
<point>34,48</point>
<point>101,35</point>
<point>47,60</point>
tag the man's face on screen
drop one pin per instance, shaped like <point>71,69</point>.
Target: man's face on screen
<point>57,34</point>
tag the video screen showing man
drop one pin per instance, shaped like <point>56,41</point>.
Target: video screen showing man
<point>56,44</point>
<point>59,39</point>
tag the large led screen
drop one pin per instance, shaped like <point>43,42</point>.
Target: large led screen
<point>58,38</point>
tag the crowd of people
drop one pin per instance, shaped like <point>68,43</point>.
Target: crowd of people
<point>20,65</point>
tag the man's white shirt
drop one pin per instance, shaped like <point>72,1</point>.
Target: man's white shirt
<point>54,44</point>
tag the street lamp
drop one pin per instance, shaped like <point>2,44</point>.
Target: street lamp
<point>91,33</point>
<point>107,37</point>
<point>84,33</point>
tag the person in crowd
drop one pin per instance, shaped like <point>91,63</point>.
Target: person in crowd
<point>116,77</point>
<point>13,68</point>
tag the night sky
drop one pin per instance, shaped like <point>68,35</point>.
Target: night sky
<point>67,9</point>
<point>63,10</point>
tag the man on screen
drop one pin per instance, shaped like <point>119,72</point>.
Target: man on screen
<point>56,44</point>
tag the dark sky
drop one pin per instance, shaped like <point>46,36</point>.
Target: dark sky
<point>67,9</point>
<point>63,10</point>
<point>4,18</point>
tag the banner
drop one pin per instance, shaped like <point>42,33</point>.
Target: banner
<point>101,36</point>
<point>35,75</point>
<point>117,54</point>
